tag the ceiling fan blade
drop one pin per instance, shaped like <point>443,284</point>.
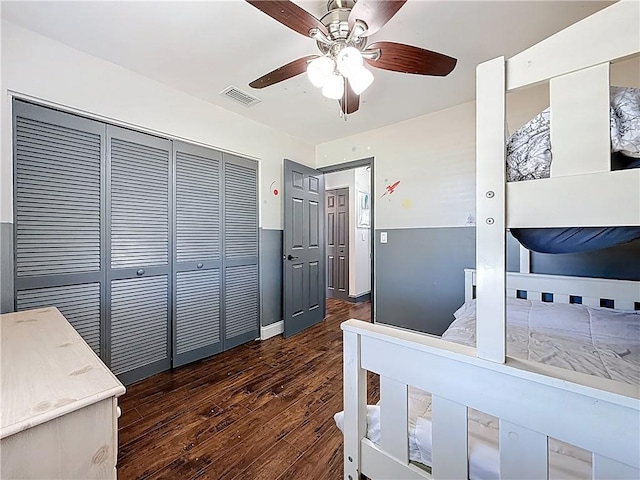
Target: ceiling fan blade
<point>350,101</point>
<point>375,13</point>
<point>399,57</point>
<point>289,70</point>
<point>290,15</point>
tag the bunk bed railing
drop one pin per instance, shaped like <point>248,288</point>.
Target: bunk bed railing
<point>592,413</point>
<point>593,292</point>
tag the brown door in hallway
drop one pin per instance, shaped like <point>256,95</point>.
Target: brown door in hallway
<point>338,243</point>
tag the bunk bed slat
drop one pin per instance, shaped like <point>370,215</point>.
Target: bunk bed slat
<point>376,463</point>
<point>572,201</point>
<point>523,453</point>
<point>580,122</point>
<point>624,304</point>
<point>580,45</point>
<point>394,418</point>
<point>490,208</point>
<point>449,439</point>
<point>355,403</point>
<point>604,467</point>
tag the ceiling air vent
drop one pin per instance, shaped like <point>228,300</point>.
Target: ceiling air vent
<point>239,96</point>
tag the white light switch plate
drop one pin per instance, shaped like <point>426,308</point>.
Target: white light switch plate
<point>383,237</point>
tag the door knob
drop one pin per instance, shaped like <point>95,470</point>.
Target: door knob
<point>291,257</point>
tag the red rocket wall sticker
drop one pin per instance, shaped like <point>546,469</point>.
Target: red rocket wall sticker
<point>390,188</point>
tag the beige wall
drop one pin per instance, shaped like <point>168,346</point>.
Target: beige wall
<point>41,69</point>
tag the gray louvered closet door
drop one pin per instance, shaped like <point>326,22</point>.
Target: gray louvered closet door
<point>198,259</point>
<point>241,289</point>
<point>59,196</point>
<point>139,212</point>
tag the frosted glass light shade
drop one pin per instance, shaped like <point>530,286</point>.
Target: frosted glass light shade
<point>349,61</point>
<point>319,69</point>
<point>360,80</point>
<point>333,87</point>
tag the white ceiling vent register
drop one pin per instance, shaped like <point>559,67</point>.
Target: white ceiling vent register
<point>239,96</point>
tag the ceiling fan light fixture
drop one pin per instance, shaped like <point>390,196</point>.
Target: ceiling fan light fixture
<point>319,69</point>
<point>333,87</point>
<point>360,80</point>
<point>349,61</point>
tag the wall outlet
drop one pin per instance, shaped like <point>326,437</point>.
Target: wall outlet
<point>383,237</point>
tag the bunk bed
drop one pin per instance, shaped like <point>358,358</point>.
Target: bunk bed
<point>534,405</point>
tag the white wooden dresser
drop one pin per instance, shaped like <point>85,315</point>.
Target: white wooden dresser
<point>58,405</point>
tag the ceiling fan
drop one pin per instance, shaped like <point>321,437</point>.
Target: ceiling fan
<point>342,36</point>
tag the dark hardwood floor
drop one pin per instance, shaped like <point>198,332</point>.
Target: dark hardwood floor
<point>263,410</point>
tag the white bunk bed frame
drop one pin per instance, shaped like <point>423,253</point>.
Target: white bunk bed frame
<point>597,414</point>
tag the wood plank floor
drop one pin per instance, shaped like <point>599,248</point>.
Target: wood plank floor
<point>263,410</point>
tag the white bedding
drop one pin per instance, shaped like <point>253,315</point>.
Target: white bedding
<point>596,341</point>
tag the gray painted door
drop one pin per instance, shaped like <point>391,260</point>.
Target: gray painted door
<point>241,305</point>
<point>138,213</point>
<point>304,247</point>
<point>198,260</point>
<point>338,243</point>
<point>58,196</point>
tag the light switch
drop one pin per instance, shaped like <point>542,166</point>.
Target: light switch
<point>383,237</point>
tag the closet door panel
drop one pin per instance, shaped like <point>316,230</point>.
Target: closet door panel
<point>241,305</point>
<point>58,195</point>
<point>197,315</point>
<point>140,246</point>
<point>139,317</point>
<point>139,204</point>
<point>198,259</point>
<point>59,199</point>
<point>198,232</point>
<point>241,210</point>
<point>80,304</point>
<point>241,282</point>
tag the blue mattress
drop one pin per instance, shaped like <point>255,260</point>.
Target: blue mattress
<point>574,239</point>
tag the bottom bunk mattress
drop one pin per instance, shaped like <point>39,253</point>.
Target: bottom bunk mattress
<point>597,341</point>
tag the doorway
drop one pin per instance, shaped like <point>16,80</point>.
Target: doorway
<point>304,243</point>
<point>349,250</point>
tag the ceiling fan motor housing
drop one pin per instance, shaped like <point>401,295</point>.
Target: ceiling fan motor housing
<point>336,20</point>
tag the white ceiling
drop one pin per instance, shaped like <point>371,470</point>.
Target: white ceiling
<point>203,47</point>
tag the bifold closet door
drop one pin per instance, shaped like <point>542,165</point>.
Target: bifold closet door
<point>139,274</point>
<point>241,286</point>
<point>198,260</point>
<point>58,199</point>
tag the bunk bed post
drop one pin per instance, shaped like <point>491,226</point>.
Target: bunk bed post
<point>490,214</point>
<point>355,404</point>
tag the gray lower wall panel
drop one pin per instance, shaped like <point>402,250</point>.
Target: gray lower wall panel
<point>271,276</point>
<point>6,268</point>
<point>420,276</point>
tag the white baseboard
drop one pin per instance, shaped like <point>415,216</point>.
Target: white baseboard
<point>271,330</point>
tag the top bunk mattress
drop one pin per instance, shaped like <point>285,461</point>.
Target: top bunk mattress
<point>529,152</point>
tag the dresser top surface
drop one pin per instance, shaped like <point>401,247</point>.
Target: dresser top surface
<point>47,370</point>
